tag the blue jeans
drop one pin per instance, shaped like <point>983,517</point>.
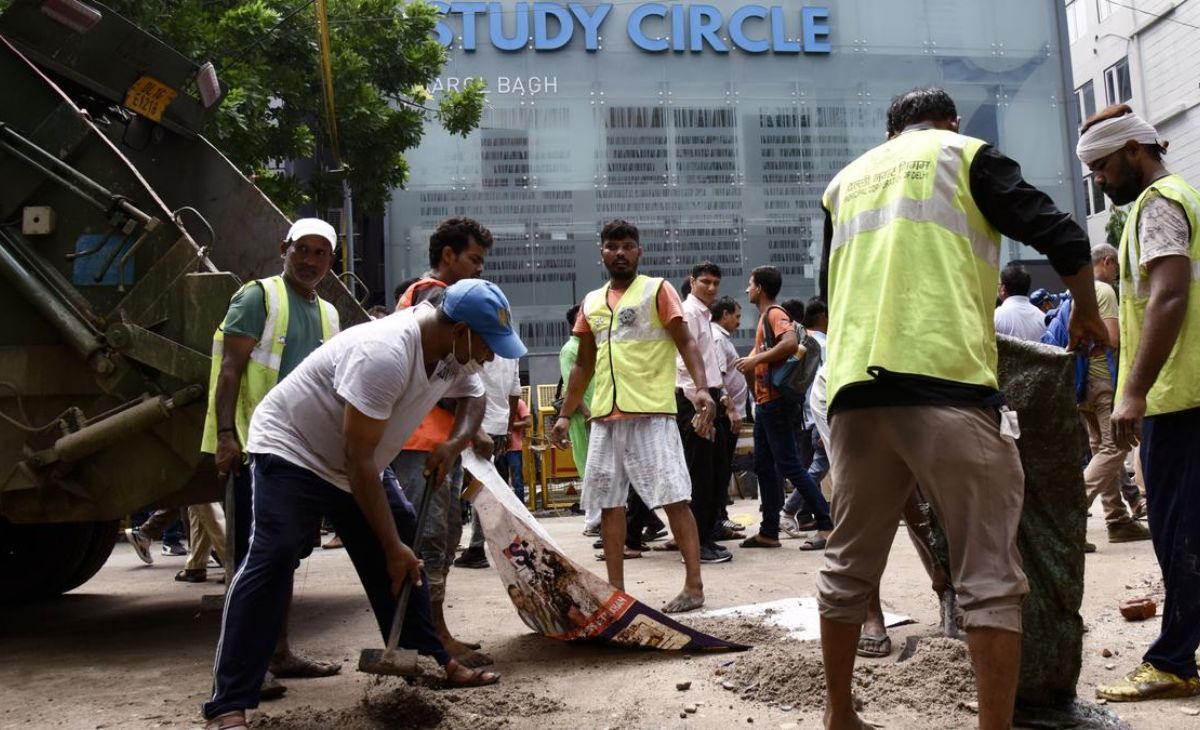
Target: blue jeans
<point>511,466</point>
<point>775,446</point>
<point>1171,464</point>
<point>289,502</point>
<point>817,470</point>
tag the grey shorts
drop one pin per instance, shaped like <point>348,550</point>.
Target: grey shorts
<point>644,451</point>
<point>443,524</point>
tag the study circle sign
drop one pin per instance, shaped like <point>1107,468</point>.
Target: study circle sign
<point>653,27</point>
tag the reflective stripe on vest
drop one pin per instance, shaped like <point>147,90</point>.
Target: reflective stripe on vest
<point>937,208</point>
<point>1177,387</point>
<point>903,213</point>
<point>635,355</point>
<point>262,370</point>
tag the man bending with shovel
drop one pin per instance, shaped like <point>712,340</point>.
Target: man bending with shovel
<point>319,443</point>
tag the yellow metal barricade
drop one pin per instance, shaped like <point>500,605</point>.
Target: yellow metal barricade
<point>559,480</point>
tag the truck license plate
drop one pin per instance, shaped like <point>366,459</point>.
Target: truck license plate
<point>149,97</point>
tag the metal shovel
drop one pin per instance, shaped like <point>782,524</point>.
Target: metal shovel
<point>391,660</point>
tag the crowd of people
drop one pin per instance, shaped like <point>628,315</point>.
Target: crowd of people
<point>884,393</point>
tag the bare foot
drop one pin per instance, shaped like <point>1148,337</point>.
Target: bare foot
<point>684,602</point>
<point>292,666</point>
<point>460,675</point>
<point>846,722</point>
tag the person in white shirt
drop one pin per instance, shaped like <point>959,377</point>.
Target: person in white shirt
<point>502,388</point>
<point>1016,316</point>
<point>703,460</point>
<point>726,318</point>
<point>319,443</point>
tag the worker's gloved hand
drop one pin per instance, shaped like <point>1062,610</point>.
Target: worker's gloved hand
<point>560,434</point>
<point>228,456</point>
<point>404,565</point>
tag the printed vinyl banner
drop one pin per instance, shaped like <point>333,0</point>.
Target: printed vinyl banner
<point>555,596</point>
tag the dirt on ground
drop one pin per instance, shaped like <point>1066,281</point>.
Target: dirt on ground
<point>132,648</point>
<point>393,705</point>
<point>936,680</point>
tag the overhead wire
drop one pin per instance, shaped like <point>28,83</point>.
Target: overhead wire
<point>1161,16</point>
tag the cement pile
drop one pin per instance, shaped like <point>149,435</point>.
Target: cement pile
<point>415,708</point>
<point>937,682</point>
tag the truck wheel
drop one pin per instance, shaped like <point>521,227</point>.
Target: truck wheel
<point>45,560</point>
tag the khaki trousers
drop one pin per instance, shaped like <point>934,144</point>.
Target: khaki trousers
<point>971,476</point>
<point>1103,473</point>
<point>207,525</point>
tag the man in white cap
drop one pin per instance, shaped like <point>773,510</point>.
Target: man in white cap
<point>272,324</point>
<point>1158,391</point>
<point>319,444</point>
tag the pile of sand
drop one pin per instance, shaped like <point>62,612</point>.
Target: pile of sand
<point>937,681</point>
<point>411,708</point>
<point>739,629</point>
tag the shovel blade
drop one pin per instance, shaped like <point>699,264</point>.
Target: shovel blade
<point>398,662</point>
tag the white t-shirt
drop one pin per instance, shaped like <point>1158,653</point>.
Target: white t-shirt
<point>378,367</point>
<point>1017,317</point>
<point>501,380</point>
<point>733,381</point>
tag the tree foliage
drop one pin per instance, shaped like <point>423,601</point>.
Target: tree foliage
<point>1115,226</point>
<point>383,57</point>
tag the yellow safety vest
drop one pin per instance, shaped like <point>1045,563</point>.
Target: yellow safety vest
<point>635,355</point>
<point>1177,387</point>
<point>913,265</point>
<point>262,371</point>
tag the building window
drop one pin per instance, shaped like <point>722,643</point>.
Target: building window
<point>1104,8</point>
<point>1117,87</point>
<point>1085,100</point>
<point>1076,19</point>
<point>1096,202</point>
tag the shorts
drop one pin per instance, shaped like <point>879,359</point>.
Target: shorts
<point>644,451</point>
<point>971,476</point>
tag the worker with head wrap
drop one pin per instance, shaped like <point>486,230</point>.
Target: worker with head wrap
<point>1158,391</point>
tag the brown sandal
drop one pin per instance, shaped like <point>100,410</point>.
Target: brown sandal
<point>228,721</point>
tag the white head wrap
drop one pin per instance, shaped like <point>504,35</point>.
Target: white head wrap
<point>1111,135</point>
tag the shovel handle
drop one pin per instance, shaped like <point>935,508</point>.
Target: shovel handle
<point>406,589</point>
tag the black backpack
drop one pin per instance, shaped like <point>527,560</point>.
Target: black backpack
<point>793,377</point>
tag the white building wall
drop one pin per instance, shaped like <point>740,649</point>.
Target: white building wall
<point>1161,39</point>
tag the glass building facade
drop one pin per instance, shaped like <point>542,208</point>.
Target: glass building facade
<point>715,128</point>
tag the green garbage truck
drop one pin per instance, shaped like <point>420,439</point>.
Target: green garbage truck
<point>123,234</point>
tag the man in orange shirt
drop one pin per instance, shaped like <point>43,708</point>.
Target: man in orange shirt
<point>457,250</point>
<point>774,437</point>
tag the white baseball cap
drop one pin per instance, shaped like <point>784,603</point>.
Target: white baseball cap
<point>312,227</point>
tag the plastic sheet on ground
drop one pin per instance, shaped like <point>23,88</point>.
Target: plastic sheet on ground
<point>554,595</point>
<point>798,616</point>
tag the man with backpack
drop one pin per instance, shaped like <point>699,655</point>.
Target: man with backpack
<point>774,436</point>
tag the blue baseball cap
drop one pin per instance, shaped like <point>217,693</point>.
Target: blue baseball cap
<point>1040,296</point>
<point>481,306</point>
